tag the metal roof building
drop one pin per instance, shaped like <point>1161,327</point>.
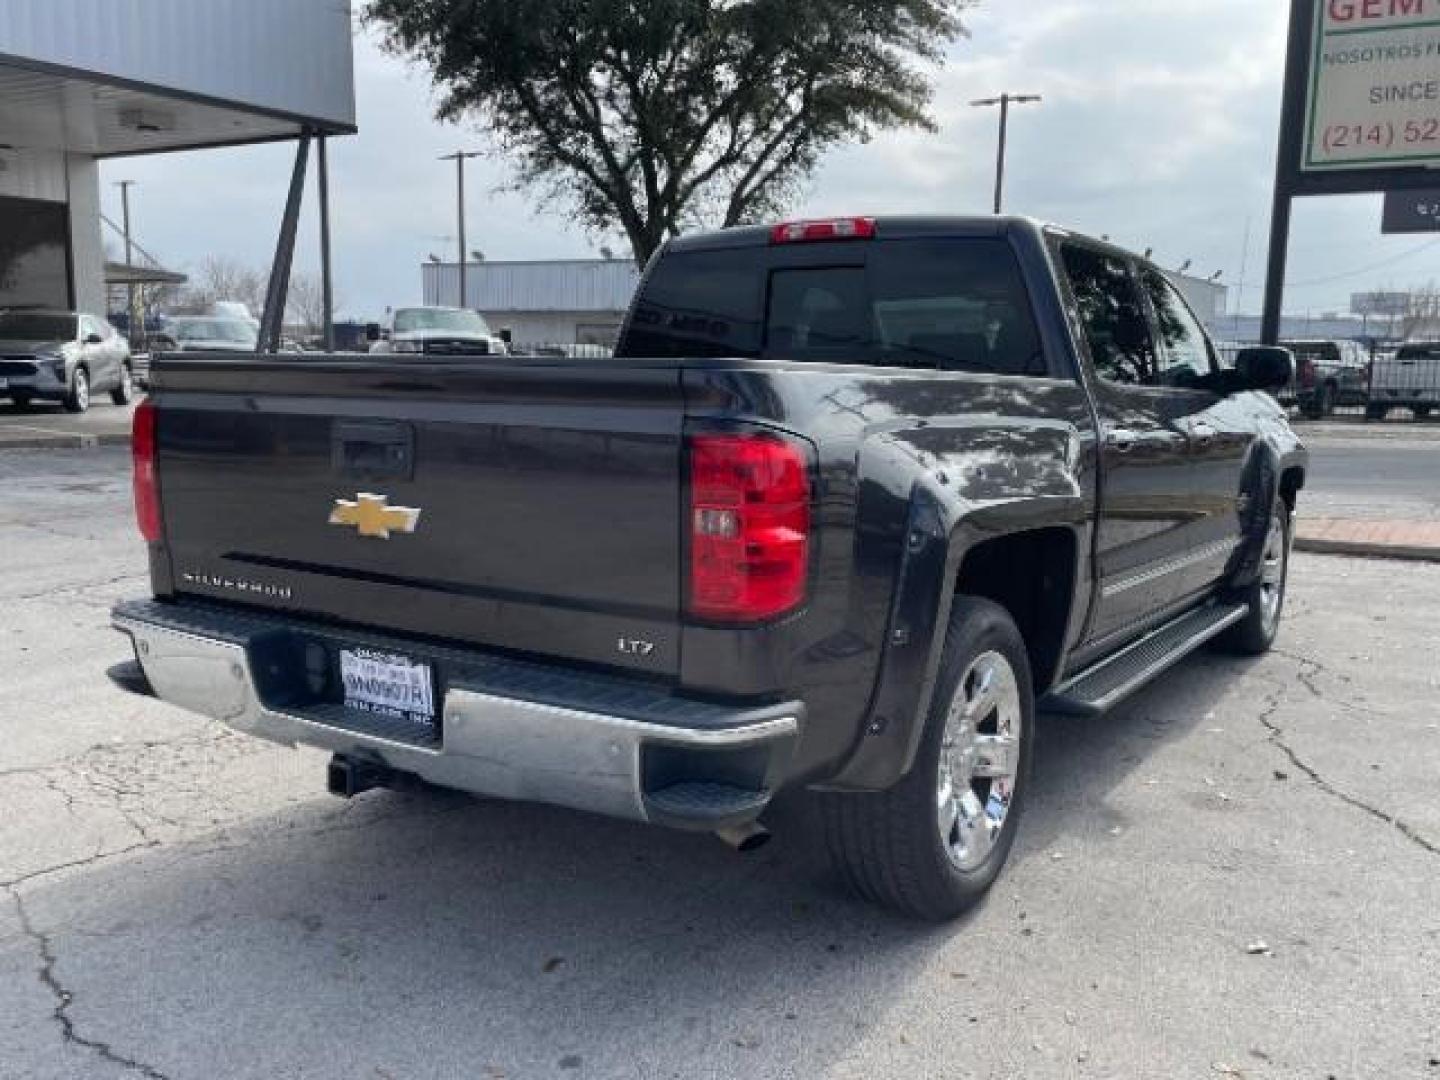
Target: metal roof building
<point>575,301</point>
<point>583,301</point>
<point>84,80</point>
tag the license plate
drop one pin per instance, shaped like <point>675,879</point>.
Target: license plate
<point>389,685</point>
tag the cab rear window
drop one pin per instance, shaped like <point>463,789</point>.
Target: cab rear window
<point>947,304</point>
<point>1316,352</point>
<point>1421,351</point>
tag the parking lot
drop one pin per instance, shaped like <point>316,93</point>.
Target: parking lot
<point>1236,874</point>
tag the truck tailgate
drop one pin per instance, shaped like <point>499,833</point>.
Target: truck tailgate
<point>548,497</point>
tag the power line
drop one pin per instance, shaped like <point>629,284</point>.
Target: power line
<point>1365,269</point>
<point>155,263</point>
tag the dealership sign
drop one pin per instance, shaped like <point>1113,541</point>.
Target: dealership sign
<point>1374,95</point>
<point>1379,304</point>
<point>1411,212</point>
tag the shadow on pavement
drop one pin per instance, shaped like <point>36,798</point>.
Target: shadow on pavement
<point>437,935</point>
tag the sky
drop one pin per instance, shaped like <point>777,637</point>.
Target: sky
<point>1158,129</point>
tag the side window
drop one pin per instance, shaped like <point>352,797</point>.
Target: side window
<point>88,326</point>
<point>1112,316</point>
<point>1184,350</point>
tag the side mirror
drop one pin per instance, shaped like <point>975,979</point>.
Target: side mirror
<point>94,339</point>
<point>507,335</point>
<point>372,332</point>
<point>1265,367</point>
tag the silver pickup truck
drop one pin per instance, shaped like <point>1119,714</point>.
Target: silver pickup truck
<point>1410,379</point>
<point>438,331</point>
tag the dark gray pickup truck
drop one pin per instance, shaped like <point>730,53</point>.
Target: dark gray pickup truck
<point>853,502</point>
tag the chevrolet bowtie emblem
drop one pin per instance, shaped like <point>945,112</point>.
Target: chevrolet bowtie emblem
<point>374,516</point>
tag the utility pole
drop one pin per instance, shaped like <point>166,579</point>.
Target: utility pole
<point>327,281</point>
<point>125,186</point>
<point>460,157</point>
<point>1004,101</point>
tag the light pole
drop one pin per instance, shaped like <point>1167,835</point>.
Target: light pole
<point>460,157</point>
<point>125,186</point>
<point>1004,101</point>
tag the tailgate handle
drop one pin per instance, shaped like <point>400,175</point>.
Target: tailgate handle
<point>374,451</point>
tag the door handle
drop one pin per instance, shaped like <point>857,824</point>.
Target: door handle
<point>1204,433</point>
<point>1121,440</point>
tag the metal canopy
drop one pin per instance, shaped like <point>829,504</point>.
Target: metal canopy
<point>82,114</point>
<point>120,274</point>
<point>110,77</point>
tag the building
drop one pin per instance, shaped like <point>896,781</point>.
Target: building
<point>1244,328</point>
<point>569,302</point>
<point>1206,296</point>
<point>82,81</point>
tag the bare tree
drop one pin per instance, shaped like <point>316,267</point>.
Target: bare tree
<point>222,278</point>
<point>306,306</point>
<point>1422,312</point>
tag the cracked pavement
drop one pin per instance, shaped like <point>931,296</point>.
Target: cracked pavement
<point>183,902</point>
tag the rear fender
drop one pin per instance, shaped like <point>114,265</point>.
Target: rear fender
<point>940,532</point>
<point>912,647</point>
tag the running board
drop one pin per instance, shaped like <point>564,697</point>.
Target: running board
<point>1102,687</point>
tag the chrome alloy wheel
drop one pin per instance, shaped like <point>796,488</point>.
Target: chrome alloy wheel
<point>979,760</point>
<point>82,390</point>
<point>1273,568</point>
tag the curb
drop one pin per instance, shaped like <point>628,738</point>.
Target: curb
<point>63,442</point>
<point>1363,550</point>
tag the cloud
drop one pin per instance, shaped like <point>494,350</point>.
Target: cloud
<point>1158,129</point>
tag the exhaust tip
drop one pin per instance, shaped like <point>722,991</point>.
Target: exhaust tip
<point>751,836</point>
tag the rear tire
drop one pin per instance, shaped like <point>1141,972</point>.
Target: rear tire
<point>124,393</point>
<point>1322,405</point>
<point>1376,412</point>
<point>1265,599</point>
<point>1422,412</point>
<point>931,846</point>
<point>78,399</point>
<point>22,401</point>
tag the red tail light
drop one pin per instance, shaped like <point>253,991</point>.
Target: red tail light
<point>801,232</point>
<point>749,527</point>
<point>147,491</point>
<point>1307,372</point>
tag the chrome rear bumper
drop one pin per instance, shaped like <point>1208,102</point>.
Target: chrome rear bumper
<point>713,769</point>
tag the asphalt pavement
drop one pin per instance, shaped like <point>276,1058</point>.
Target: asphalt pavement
<point>1235,875</point>
<point>1382,471</point>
